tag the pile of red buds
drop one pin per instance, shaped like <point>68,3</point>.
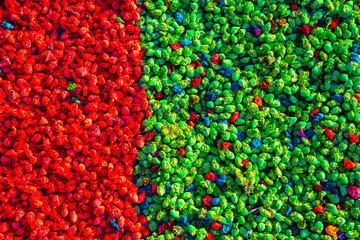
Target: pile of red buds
<point>70,119</point>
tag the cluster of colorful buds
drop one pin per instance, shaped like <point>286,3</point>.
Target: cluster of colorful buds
<point>256,115</point>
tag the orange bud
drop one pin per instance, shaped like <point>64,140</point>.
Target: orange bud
<point>258,101</point>
<point>357,96</point>
<point>281,22</point>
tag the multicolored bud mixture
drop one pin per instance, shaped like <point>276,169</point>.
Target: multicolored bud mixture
<point>202,119</point>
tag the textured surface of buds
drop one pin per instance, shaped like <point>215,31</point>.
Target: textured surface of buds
<point>71,112</point>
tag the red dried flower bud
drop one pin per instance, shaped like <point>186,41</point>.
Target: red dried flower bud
<point>353,138</point>
<point>182,152</point>
<point>234,116</point>
<point>305,29</point>
<point>263,85</point>
<point>318,188</point>
<point>210,176</point>
<point>195,82</point>
<point>216,226</point>
<point>293,7</point>
<point>206,201</point>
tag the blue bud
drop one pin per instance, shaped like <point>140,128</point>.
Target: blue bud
<point>221,180</point>
<point>177,89</point>
<point>168,16</point>
<point>205,56</point>
<point>205,63</point>
<point>223,121</point>
<point>241,136</point>
<point>286,102</point>
<point>210,222</point>
<point>291,147</point>
<point>255,143</point>
<point>207,96</point>
<point>7,26</point>
<point>226,228</point>
<point>144,205</point>
<point>179,17</point>
<point>168,187</point>
<point>114,225</point>
<point>206,121</point>
<point>337,97</point>
<point>318,117</point>
<point>189,188</point>
<point>213,96</point>
<point>228,73</point>
<point>222,177</point>
<point>235,86</point>
<point>222,4</point>
<point>183,220</point>
<point>289,210</point>
<point>355,48</point>
<point>215,201</point>
<point>60,32</point>
<point>354,58</point>
<point>221,72</point>
<point>341,235</point>
<point>328,186</point>
<point>186,42</point>
<point>310,132</point>
<point>287,134</point>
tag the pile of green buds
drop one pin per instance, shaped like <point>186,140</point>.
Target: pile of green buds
<point>255,119</point>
